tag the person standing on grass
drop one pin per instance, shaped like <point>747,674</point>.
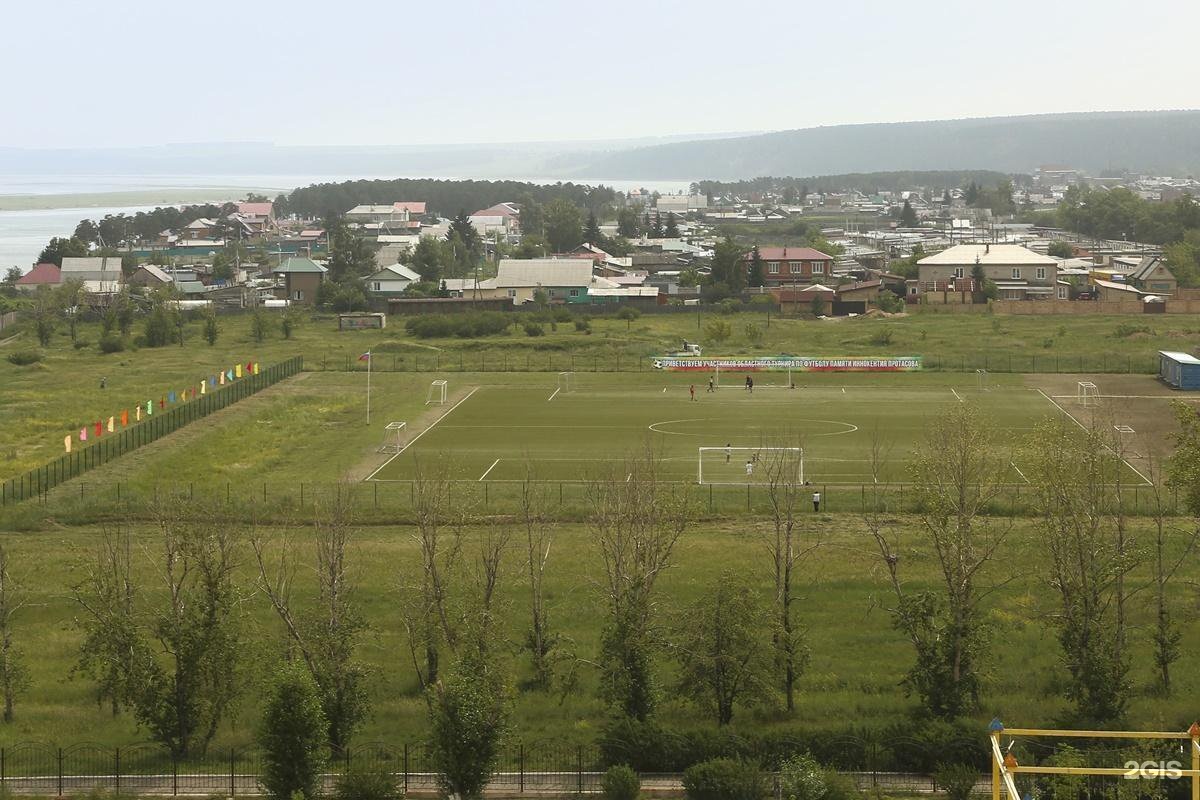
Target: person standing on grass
<point>728,452</point>
<point>749,468</point>
<point>816,502</point>
<point>692,392</point>
<point>711,384</point>
<point>749,384</point>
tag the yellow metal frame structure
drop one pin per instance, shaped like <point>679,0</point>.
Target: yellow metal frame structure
<point>1005,766</point>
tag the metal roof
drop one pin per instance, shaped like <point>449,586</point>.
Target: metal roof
<point>988,255</point>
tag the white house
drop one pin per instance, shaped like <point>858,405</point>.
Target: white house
<point>392,280</point>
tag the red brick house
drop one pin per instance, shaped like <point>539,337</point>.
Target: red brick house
<point>792,265</point>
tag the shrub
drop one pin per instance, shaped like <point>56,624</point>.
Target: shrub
<point>23,358</point>
<point>465,326</point>
<point>1126,329</point>
<point>724,779</point>
<point>890,302</point>
<point>620,782</point>
<point>801,777</point>
<point>583,324</point>
<point>957,780</point>
<point>629,314</point>
<point>561,315</point>
<point>111,343</point>
<point>80,344</point>
<point>293,736</point>
<point>718,330</point>
<point>754,334</point>
<point>882,337</point>
<point>377,784</point>
<point>534,329</point>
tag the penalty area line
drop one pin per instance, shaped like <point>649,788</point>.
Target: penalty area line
<point>956,394</point>
<point>1070,416</point>
<point>489,469</point>
<point>413,441</point>
<point>551,397</point>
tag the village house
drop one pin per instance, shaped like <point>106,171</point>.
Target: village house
<point>392,280</point>
<point>1018,272</point>
<point>99,274</point>
<point>503,219</point>
<point>43,274</point>
<point>259,218</point>
<point>788,266</point>
<point>1152,275</point>
<point>301,279</point>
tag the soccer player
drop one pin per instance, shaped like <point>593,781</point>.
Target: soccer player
<point>749,384</point>
<point>728,452</point>
<point>749,468</point>
<point>711,384</point>
<point>816,501</point>
<point>692,392</point>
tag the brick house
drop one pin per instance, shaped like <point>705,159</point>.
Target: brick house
<point>792,265</point>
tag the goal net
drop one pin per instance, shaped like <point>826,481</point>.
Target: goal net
<point>1087,394</point>
<point>566,382</point>
<point>393,437</point>
<point>756,465</point>
<point>437,393</point>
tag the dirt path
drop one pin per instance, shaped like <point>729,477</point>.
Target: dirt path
<point>373,459</point>
<point>121,469</point>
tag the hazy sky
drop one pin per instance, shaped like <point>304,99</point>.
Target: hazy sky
<point>135,72</point>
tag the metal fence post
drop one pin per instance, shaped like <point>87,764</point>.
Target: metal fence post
<point>579,769</point>
<point>521,767</point>
<point>406,767</point>
<point>60,772</point>
<point>117,767</point>
<point>231,786</point>
<point>174,774</point>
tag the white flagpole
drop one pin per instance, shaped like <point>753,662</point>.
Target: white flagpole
<point>370,358</point>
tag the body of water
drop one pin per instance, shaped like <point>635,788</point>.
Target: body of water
<point>23,233</point>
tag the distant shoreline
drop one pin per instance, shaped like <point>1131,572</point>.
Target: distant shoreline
<point>165,196</point>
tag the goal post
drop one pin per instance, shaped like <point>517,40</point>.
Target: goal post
<point>1087,394</point>
<point>393,437</point>
<point>983,380</point>
<point>437,393</point>
<point>566,382</point>
<point>740,465</point>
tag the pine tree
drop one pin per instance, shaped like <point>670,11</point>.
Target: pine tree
<point>591,231</point>
<point>671,231</point>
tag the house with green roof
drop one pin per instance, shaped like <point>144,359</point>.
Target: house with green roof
<point>301,278</point>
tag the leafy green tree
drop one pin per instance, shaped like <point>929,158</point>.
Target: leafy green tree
<point>429,259</point>
<point>60,248</point>
<point>211,329</point>
<point>817,305</point>
<point>908,216</point>
<point>728,268</point>
<point>469,711</point>
<point>1060,249</point>
<point>1183,259</point>
<point>258,325</point>
<point>292,736</point>
<point>629,314</point>
<point>70,298</point>
<point>350,256</point>
<point>757,275</point>
<point>86,232</point>
<point>627,222</point>
<point>671,229</point>
<point>564,225</point>
<point>591,232</point>
<point>287,321</point>
<point>723,658</point>
<point>718,330</point>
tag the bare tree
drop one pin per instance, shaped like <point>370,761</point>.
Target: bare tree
<point>425,608</point>
<point>539,536</point>
<point>637,519</point>
<point>958,474</point>
<point>1074,473</point>
<point>327,635</point>
<point>787,544</point>
<point>14,676</point>
<point>111,639</point>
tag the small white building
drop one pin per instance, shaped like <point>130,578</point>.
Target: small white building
<point>392,280</point>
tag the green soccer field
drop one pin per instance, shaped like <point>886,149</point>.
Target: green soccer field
<point>504,432</point>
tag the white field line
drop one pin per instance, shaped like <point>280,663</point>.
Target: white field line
<point>956,394</point>
<point>1125,397</point>
<point>489,469</point>
<point>1145,481</point>
<point>551,397</point>
<point>413,441</point>
<point>1018,469</point>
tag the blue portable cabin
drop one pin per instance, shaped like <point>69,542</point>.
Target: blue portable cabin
<point>1179,370</point>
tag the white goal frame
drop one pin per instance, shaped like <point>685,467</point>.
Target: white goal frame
<point>566,382</point>
<point>1087,394</point>
<point>765,449</point>
<point>437,393</point>
<point>983,379</point>
<point>393,437</point>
